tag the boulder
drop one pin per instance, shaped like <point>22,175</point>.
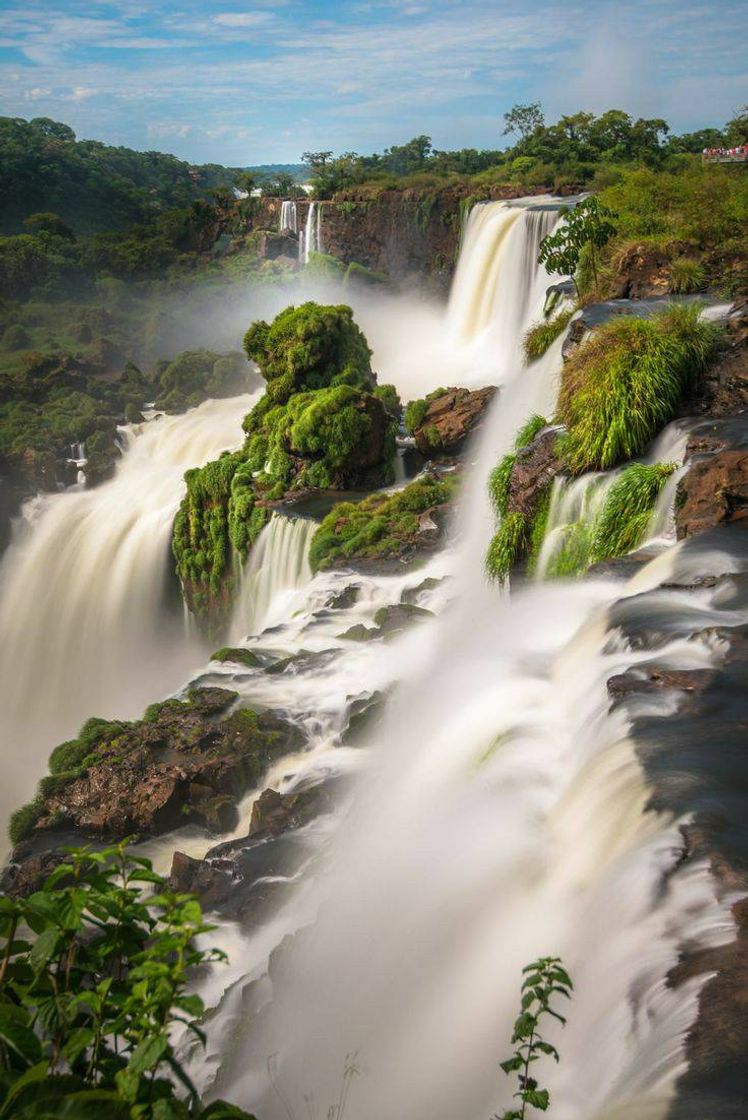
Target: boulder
<point>535,467</point>
<point>450,418</point>
<point>714,491</point>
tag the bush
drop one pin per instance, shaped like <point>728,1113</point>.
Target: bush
<point>624,519</point>
<point>625,384</point>
<point>540,336</point>
<point>686,275</point>
<point>93,992</point>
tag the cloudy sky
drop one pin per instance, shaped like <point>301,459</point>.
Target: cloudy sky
<point>244,83</point>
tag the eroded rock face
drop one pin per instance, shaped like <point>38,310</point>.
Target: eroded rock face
<point>450,418</point>
<point>644,271</point>
<point>182,764</point>
<point>724,389</point>
<point>714,491</point>
<point>534,469</point>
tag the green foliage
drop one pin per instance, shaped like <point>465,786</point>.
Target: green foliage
<point>508,544</point>
<point>381,526</point>
<point>390,398</point>
<point>541,335</point>
<point>625,384</point>
<point>524,119</point>
<point>544,981</point>
<point>309,347</point>
<point>574,554</point>
<point>93,981</point>
<point>15,337</point>
<point>623,521</point>
<point>22,821</point>
<point>686,275</point>
<point>500,476</point>
<point>586,226</point>
<point>415,411</point>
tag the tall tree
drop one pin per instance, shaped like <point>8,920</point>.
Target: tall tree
<point>523,119</point>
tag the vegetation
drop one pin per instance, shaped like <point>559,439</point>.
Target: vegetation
<point>515,532</point>
<point>625,384</point>
<point>320,424</point>
<point>507,545</point>
<point>623,522</point>
<point>380,527</point>
<point>542,335</point>
<point>586,228</point>
<point>93,986</point>
<point>545,980</point>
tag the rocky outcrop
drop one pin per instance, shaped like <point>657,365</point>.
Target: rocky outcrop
<point>186,761</point>
<point>724,389</point>
<point>450,416</point>
<point>714,491</point>
<point>535,467</point>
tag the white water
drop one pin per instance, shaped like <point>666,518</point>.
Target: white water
<point>311,241</point>
<point>82,589</point>
<point>288,218</point>
<point>277,569</point>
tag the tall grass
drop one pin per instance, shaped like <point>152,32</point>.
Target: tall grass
<point>507,546</point>
<point>624,519</point>
<point>625,384</point>
<point>541,335</point>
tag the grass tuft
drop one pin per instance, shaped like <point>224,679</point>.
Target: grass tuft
<point>624,519</point>
<point>541,335</point>
<point>686,275</point>
<point>506,547</point>
<point>625,384</point>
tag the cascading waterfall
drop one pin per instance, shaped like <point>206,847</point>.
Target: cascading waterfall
<point>501,816</point>
<point>277,569</point>
<point>82,592</point>
<point>312,237</point>
<point>288,218</point>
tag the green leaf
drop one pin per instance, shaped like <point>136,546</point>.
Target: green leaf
<point>19,1038</point>
<point>36,1073</point>
<point>45,949</point>
<point>538,1098</point>
<point>148,1054</point>
<point>221,1110</point>
<point>512,1064</point>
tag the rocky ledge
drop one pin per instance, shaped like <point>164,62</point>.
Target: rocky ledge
<point>442,422</point>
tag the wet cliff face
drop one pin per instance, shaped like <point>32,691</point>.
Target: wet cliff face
<point>411,235</point>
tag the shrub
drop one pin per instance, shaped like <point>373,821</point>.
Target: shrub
<point>507,546</point>
<point>625,384</point>
<point>686,275</point>
<point>390,398</point>
<point>542,335</point>
<point>91,994</point>
<point>623,521</point>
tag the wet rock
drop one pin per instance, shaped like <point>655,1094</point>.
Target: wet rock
<point>642,682</point>
<point>345,599</point>
<point>238,656</point>
<point>724,387</point>
<point>274,813</point>
<point>714,491</point>
<point>399,616</point>
<point>535,467</point>
<point>450,418</point>
<point>366,713</point>
<point>305,661</point>
<point>411,595</point>
<point>178,765</point>
<point>359,633</point>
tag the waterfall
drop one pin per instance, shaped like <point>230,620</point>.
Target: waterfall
<point>82,591</point>
<point>277,568</point>
<point>288,219</point>
<point>501,815</point>
<point>312,237</point>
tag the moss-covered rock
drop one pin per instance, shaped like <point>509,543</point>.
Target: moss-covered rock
<point>384,529</point>
<point>321,424</point>
<point>442,421</point>
<point>185,761</point>
<point>238,655</point>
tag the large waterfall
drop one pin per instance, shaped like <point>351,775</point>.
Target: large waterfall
<point>500,814</point>
<point>82,592</point>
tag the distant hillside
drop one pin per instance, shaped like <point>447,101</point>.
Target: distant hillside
<point>92,186</point>
<point>299,171</point>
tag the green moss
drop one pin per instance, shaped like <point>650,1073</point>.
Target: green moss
<point>390,398</point>
<point>625,384</point>
<point>507,546</point>
<point>574,555</point>
<point>22,822</point>
<point>414,414</point>
<point>238,655</point>
<point>379,526</point>
<point>68,756</point>
<point>541,335</point>
<point>357,275</point>
<point>624,519</point>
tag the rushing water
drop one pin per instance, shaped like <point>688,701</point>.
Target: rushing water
<point>288,218</point>
<point>82,589</point>
<point>497,809</point>
<point>311,238</point>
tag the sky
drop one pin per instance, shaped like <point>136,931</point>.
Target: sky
<point>262,81</point>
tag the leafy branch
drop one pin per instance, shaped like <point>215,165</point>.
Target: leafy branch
<point>544,980</point>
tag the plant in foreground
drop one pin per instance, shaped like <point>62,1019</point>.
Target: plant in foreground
<point>93,983</point>
<point>544,979</point>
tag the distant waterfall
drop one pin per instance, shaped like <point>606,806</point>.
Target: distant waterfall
<point>278,566</point>
<point>288,218</point>
<point>312,236</point>
<point>82,590</point>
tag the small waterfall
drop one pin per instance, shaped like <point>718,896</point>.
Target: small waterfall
<point>575,504</point>
<point>278,567</point>
<point>312,237</point>
<point>78,454</point>
<point>288,218</point>
<point>82,591</point>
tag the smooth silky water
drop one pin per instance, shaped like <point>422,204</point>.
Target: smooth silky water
<point>496,813</point>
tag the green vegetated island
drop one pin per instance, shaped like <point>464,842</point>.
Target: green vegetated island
<point>98,243</point>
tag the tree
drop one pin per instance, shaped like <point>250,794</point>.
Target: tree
<point>524,119</point>
<point>736,130</point>
<point>586,225</point>
<point>48,222</point>
<point>317,161</point>
<point>280,185</point>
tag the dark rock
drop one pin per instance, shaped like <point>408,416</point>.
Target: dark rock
<point>640,681</point>
<point>359,633</point>
<point>345,599</point>
<point>450,418</point>
<point>724,387</point>
<point>305,661</point>
<point>535,467</point>
<point>398,616</point>
<point>366,713</point>
<point>274,813</point>
<point>714,491</point>
<point>239,656</point>
<point>411,595</point>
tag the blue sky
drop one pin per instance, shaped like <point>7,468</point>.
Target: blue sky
<point>262,81</point>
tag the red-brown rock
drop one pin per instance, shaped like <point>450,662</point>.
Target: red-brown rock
<point>713,492</point>
<point>450,418</point>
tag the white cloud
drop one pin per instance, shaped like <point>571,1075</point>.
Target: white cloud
<point>242,19</point>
